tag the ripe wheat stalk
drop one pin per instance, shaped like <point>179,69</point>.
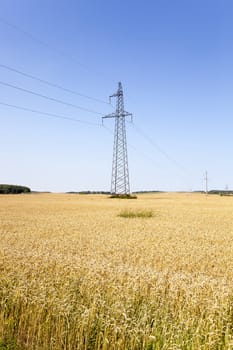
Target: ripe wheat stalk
<point>76,275</point>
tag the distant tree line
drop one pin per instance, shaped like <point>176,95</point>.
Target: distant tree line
<point>89,192</point>
<point>148,191</point>
<point>13,189</point>
<point>221,192</point>
<point>109,193</point>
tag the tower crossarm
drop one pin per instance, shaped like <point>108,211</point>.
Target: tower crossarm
<point>112,115</point>
<point>127,114</point>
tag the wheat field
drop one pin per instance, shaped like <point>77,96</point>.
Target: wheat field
<point>77,275</point>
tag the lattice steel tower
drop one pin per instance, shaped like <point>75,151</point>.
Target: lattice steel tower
<point>120,170</point>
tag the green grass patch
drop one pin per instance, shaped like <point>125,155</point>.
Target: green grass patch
<point>128,213</point>
<point>8,345</point>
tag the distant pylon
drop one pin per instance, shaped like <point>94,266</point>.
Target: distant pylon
<point>120,169</point>
<point>206,182</point>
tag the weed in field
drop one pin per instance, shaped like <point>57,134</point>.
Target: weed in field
<point>127,213</point>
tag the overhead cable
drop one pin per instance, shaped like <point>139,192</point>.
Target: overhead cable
<point>158,148</point>
<point>143,154</point>
<point>48,114</point>
<point>33,37</point>
<point>50,47</point>
<point>49,98</point>
<point>51,84</point>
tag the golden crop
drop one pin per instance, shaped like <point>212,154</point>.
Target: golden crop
<point>76,275</point>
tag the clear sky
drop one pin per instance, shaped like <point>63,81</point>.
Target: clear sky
<point>175,61</point>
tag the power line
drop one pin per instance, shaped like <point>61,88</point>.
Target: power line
<point>48,114</point>
<point>36,39</point>
<point>187,171</point>
<point>143,154</point>
<point>158,148</point>
<point>49,98</point>
<point>51,84</point>
<point>50,47</point>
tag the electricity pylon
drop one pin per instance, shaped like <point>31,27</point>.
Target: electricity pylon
<point>120,169</point>
<point>206,182</point>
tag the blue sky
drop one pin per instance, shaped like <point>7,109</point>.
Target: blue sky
<point>174,59</point>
